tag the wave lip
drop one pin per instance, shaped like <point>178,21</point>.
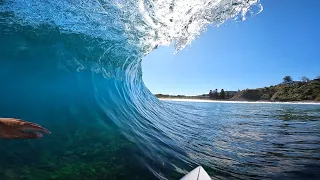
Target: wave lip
<point>144,24</point>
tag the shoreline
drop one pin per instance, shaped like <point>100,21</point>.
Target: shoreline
<point>248,102</point>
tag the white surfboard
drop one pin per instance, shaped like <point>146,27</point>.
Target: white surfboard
<point>197,174</point>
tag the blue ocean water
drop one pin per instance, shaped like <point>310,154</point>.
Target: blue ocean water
<point>75,68</point>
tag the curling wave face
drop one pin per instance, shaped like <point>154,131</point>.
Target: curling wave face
<point>77,64</point>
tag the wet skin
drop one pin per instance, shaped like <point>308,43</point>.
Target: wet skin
<point>11,128</point>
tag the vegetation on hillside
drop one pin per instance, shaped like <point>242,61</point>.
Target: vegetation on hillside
<point>213,95</point>
<point>289,90</point>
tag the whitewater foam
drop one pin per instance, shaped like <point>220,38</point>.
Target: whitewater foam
<point>144,24</point>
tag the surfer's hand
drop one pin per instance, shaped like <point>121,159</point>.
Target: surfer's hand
<point>11,128</point>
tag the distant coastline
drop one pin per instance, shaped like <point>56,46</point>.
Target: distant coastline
<point>305,91</point>
<point>231,101</point>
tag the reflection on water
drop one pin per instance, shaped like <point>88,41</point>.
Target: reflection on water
<point>254,140</point>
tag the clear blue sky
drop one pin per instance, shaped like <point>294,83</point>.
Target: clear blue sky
<point>284,39</point>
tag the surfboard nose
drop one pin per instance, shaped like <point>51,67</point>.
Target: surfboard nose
<point>197,174</point>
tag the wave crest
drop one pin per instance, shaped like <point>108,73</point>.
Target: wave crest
<point>141,24</point>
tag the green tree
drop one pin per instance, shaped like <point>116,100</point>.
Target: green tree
<point>305,79</point>
<point>287,79</point>
<point>222,94</point>
<point>211,94</point>
<point>216,94</point>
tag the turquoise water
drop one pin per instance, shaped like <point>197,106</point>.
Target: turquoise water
<point>75,68</point>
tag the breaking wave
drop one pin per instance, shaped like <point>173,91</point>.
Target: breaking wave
<point>76,65</point>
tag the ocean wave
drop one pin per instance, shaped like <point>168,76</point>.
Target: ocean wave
<point>76,65</point>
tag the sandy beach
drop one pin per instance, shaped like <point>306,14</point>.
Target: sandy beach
<point>252,102</point>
